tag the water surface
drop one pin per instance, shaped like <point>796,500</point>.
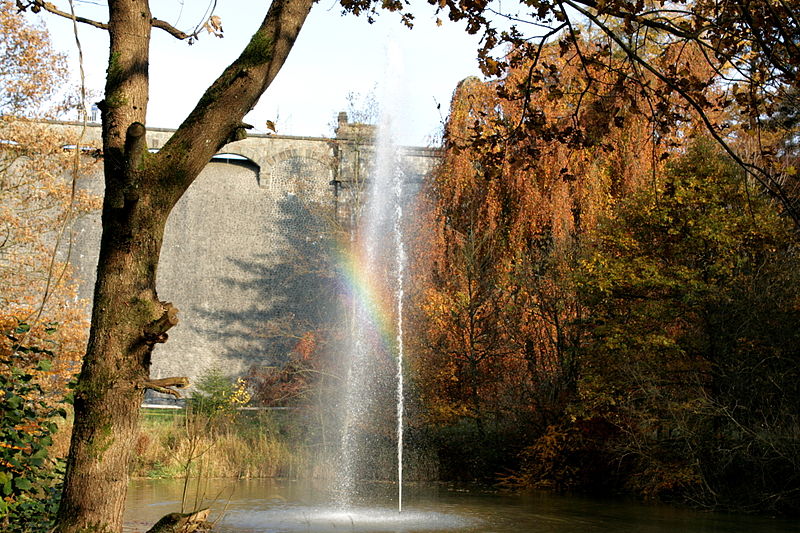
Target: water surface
<point>270,506</point>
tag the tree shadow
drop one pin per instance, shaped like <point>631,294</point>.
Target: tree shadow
<point>284,292</point>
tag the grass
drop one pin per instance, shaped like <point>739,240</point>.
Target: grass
<point>175,444</point>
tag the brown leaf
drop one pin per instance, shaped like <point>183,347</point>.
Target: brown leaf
<point>214,26</point>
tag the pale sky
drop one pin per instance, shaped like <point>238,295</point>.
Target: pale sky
<point>333,56</point>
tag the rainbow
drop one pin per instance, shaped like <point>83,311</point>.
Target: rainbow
<point>370,294</point>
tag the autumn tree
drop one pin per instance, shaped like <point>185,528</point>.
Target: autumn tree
<point>631,374</point>
<point>31,71</point>
<point>692,288</point>
<point>42,323</point>
<point>671,55</point>
<point>37,200</point>
<point>37,208</point>
<point>465,342</point>
<point>513,206</point>
<point>510,213</point>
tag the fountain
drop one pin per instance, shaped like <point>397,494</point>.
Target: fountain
<point>377,326</point>
<point>375,377</point>
<point>375,380</point>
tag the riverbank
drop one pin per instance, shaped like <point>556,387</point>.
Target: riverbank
<point>183,445</point>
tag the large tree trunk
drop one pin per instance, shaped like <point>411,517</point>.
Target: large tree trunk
<point>141,189</point>
<point>116,366</point>
<point>108,394</point>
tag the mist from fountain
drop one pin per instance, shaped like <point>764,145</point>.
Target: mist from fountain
<point>377,326</point>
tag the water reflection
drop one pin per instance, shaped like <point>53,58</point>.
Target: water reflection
<point>261,506</point>
<point>299,518</point>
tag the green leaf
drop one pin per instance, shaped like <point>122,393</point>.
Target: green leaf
<point>22,483</point>
<point>41,454</point>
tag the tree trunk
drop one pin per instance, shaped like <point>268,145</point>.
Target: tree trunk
<point>108,396</point>
<point>117,363</point>
<point>141,189</point>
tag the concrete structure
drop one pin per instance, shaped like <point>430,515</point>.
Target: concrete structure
<point>248,254</point>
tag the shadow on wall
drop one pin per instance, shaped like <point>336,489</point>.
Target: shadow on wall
<point>249,261</point>
<point>293,289</point>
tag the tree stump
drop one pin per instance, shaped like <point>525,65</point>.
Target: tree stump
<point>182,523</point>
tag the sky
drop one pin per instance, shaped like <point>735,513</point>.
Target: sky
<point>334,55</point>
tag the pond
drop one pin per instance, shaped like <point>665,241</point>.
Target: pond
<point>274,506</point>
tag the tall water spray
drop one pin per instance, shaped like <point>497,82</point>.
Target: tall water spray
<point>377,326</point>
<point>400,259</point>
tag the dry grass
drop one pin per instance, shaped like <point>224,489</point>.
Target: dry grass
<point>174,446</point>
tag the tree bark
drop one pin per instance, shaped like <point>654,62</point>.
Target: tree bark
<point>141,189</point>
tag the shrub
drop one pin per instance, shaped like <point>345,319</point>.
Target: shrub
<point>29,479</point>
<point>217,396</point>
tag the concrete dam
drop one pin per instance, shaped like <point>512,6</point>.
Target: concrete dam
<point>249,251</point>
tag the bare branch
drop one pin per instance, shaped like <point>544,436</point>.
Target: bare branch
<point>156,332</point>
<point>759,174</point>
<point>163,385</point>
<point>172,30</point>
<point>38,5</point>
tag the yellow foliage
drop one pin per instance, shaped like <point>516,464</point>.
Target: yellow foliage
<point>239,395</point>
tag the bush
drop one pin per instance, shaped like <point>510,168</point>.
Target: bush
<point>217,397</point>
<point>30,481</point>
<point>569,457</point>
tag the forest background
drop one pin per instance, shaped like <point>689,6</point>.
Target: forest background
<point>605,293</point>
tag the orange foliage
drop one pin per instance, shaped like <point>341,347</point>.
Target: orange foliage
<point>531,163</point>
<point>37,205</point>
<point>31,71</point>
<point>290,382</point>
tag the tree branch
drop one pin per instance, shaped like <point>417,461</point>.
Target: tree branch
<point>162,385</point>
<point>218,115</point>
<point>182,522</point>
<point>135,146</point>
<point>172,30</point>
<point>156,331</point>
<point>38,5</point>
<point>759,174</point>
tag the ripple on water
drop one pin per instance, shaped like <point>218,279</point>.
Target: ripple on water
<point>331,519</point>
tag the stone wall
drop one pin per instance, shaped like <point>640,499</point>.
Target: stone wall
<point>247,251</point>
